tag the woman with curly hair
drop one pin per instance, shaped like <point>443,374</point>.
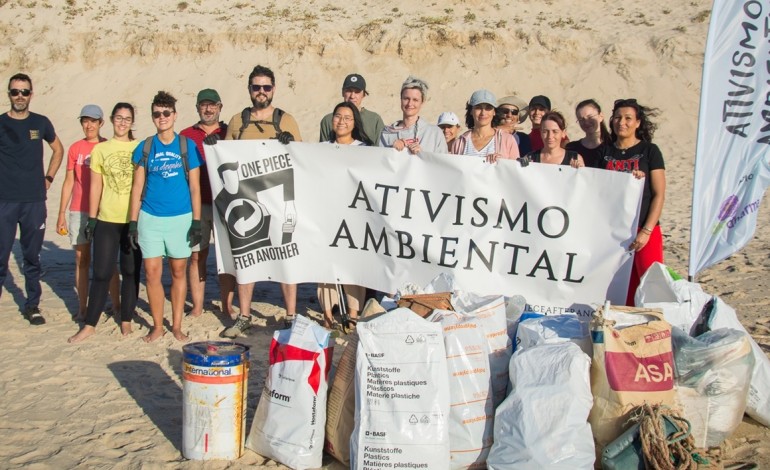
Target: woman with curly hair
<point>632,151</point>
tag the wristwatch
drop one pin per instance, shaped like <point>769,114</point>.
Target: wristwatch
<point>49,178</point>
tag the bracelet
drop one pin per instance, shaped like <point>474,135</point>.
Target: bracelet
<point>646,230</point>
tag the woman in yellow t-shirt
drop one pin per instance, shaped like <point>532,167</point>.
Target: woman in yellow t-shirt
<point>111,180</point>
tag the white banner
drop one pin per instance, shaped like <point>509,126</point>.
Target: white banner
<point>379,218</point>
<point>732,162</point>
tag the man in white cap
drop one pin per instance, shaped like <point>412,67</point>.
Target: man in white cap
<point>450,126</point>
<point>354,91</point>
<point>23,187</point>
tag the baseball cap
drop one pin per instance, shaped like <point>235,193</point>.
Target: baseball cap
<point>448,118</point>
<point>356,81</point>
<point>208,94</point>
<point>92,111</point>
<point>540,100</point>
<point>514,100</point>
<point>482,97</point>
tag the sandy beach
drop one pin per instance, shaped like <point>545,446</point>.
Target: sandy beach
<point>116,402</point>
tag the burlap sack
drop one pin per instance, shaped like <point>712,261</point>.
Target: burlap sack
<point>424,304</point>
<point>631,365</point>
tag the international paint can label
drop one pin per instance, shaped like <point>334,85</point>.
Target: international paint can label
<point>214,400</point>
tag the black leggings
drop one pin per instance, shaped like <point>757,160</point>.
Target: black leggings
<point>109,238</point>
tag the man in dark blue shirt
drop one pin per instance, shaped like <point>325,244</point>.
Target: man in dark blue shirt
<point>23,187</point>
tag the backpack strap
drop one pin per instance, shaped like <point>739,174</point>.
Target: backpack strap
<point>277,116</point>
<point>147,146</point>
<point>246,120</point>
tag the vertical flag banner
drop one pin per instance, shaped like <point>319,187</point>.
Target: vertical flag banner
<point>732,161</point>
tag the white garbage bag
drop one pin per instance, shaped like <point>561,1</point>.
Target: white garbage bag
<point>543,423</point>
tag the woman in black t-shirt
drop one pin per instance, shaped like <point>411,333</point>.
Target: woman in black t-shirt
<point>632,151</point>
<point>591,120</point>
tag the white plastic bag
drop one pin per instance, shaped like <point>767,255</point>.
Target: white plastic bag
<point>712,376</point>
<point>472,410</point>
<point>553,329</point>
<point>682,302</point>
<point>289,422</point>
<point>402,394</point>
<point>543,424</point>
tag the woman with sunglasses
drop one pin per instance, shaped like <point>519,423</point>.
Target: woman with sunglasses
<point>411,132</point>
<point>482,139</point>
<point>552,131</point>
<point>165,212</point>
<point>510,115</point>
<point>632,151</point>
<point>591,120</point>
<point>347,129</point>
<point>107,226</point>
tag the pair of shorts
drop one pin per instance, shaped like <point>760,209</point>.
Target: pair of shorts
<point>207,226</point>
<point>164,236</point>
<point>76,228</point>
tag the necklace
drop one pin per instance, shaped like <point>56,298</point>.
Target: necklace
<point>626,147</point>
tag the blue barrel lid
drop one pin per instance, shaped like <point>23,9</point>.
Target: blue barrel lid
<point>215,354</point>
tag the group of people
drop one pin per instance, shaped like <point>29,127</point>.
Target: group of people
<point>135,202</point>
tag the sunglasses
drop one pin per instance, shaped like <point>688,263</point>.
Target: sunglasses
<point>164,113</point>
<point>507,111</point>
<point>23,92</point>
<point>265,88</point>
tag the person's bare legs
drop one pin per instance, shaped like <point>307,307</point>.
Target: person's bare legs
<point>197,278</point>
<point>178,294</point>
<point>153,269</point>
<point>245,292</point>
<point>289,298</point>
<point>82,265</point>
<point>226,294</point>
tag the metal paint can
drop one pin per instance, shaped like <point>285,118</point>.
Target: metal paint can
<point>215,377</point>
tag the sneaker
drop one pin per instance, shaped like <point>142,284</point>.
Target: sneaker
<point>288,321</point>
<point>33,315</point>
<point>242,324</point>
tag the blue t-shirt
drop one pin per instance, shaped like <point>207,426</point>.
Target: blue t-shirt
<point>22,176</point>
<point>167,193</point>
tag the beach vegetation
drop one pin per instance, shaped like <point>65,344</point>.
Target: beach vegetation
<point>182,6</point>
<point>702,16</point>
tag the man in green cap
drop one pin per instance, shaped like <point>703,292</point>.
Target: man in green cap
<point>209,106</point>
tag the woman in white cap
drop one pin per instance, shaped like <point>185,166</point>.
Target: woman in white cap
<point>512,111</point>
<point>450,126</point>
<point>411,132</point>
<point>482,139</point>
<point>75,194</point>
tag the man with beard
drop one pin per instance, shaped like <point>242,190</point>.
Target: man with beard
<point>23,186</point>
<point>209,105</point>
<point>261,121</point>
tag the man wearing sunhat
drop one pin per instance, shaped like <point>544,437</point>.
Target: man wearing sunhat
<point>512,111</point>
<point>354,91</point>
<point>209,106</point>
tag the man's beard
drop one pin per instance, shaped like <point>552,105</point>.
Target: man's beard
<point>20,107</point>
<point>261,104</point>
